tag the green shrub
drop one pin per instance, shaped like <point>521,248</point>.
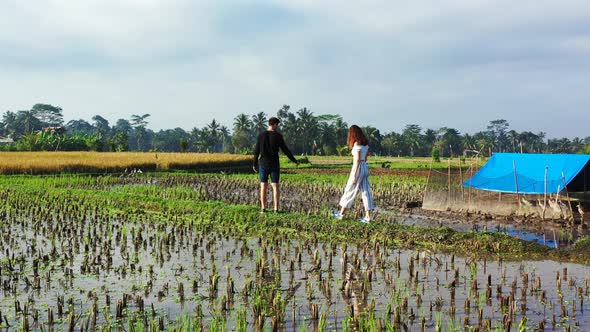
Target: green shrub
<point>435,155</point>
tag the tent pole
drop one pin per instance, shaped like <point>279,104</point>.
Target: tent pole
<point>516,183</point>
<point>568,197</point>
<point>545,194</point>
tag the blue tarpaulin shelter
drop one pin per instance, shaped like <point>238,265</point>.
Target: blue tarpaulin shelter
<point>525,173</point>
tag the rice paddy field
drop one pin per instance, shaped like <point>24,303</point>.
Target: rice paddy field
<point>108,162</point>
<point>190,251</point>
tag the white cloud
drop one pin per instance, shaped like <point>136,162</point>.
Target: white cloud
<point>383,62</point>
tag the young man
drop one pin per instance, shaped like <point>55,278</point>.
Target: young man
<point>267,148</point>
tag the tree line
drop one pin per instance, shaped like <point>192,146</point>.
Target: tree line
<point>42,128</point>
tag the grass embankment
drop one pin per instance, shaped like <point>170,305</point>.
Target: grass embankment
<point>182,205</point>
<point>108,162</point>
<point>394,163</point>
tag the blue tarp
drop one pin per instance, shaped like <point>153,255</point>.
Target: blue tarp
<point>498,173</point>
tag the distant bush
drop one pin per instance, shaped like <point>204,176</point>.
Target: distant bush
<point>435,155</point>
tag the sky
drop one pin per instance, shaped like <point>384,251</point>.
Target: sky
<point>389,63</point>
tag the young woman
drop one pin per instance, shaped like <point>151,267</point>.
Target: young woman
<point>359,176</point>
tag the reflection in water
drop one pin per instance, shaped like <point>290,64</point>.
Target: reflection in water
<point>106,270</point>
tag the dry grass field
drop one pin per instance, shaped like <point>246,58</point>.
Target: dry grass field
<point>100,162</point>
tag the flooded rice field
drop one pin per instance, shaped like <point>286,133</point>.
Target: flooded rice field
<point>81,270</point>
<point>393,201</point>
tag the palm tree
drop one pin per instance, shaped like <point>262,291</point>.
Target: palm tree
<point>259,122</point>
<point>577,145</point>
<point>326,139</point>
<point>392,143</point>
<point>225,137</point>
<point>9,124</point>
<point>307,125</point>
<point>139,123</point>
<point>412,137</point>
<point>514,138</point>
<point>242,123</point>
<point>213,130</point>
<point>485,142</point>
<point>340,131</point>
<point>374,137</point>
<point>468,142</point>
<point>28,121</point>
<point>429,139</point>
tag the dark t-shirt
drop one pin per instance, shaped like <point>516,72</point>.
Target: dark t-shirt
<point>267,149</point>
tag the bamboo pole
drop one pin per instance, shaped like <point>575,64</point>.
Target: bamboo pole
<point>449,181</point>
<point>545,194</point>
<point>427,182</point>
<point>516,183</point>
<point>568,196</point>
<point>461,179</point>
<point>470,179</point>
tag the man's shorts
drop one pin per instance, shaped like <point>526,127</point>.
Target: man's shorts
<point>275,174</point>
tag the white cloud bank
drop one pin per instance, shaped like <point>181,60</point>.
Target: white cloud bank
<point>456,63</point>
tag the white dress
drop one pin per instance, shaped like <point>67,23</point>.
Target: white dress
<point>362,183</point>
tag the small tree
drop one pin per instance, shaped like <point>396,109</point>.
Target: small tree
<point>342,150</point>
<point>435,155</point>
<point>183,144</point>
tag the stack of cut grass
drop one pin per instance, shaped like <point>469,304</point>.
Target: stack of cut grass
<point>110,162</point>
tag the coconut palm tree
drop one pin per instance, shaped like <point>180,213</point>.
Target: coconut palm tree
<point>307,128</point>
<point>213,130</point>
<point>225,137</point>
<point>259,122</point>
<point>28,122</point>
<point>513,138</point>
<point>374,137</point>
<point>242,123</point>
<point>412,138</point>
<point>139,123</point>
<point>9,124</point>
<point>468,142</point>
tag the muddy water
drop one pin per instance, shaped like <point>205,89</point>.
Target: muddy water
<point>48,264</point>
<point>549,234</point>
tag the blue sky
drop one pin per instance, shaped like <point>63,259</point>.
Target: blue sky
<point>454,63</point>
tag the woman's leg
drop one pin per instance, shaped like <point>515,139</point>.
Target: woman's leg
<point>366,195</point>
<point>348,196</point>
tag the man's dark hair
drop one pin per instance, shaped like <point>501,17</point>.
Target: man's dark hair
<point>273,121</point>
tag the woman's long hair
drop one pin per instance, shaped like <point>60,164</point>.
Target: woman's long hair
<point>356,135</point>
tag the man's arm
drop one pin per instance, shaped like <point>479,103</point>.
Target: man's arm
<point>286,150</point>
<point>256,154</point>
